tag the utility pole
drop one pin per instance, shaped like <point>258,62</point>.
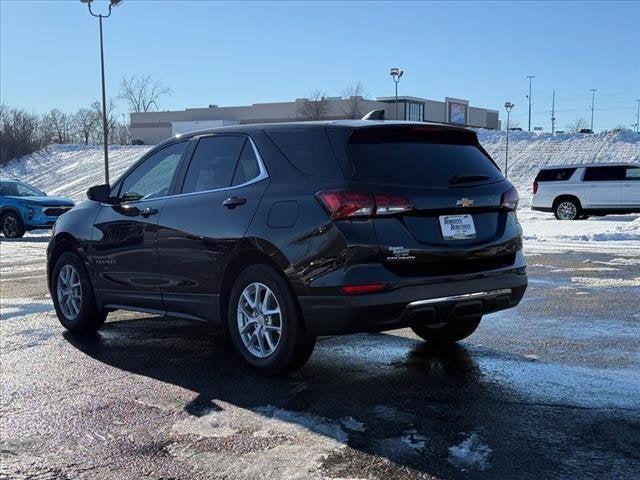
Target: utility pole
<point>638,117</point>
<point>593,98</point>
<point>530,77</point>
<point>553,113</point>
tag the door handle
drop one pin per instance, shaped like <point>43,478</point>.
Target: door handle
<point>233,202</point>
<point>147,212</point>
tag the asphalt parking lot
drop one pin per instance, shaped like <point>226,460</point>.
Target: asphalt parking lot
<point>548,390</point>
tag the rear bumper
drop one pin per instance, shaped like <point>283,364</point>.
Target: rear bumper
<point>432,301</point>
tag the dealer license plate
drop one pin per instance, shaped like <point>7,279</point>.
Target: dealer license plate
<point>457,227</point>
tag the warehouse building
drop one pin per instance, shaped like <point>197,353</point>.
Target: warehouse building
<point>153,127</point>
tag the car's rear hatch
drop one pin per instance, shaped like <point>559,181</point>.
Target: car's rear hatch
<point>456,216</point>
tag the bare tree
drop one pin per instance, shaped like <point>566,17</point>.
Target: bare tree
<point>111,121</point>
<point>315,107</point>
<point>141,93</point>
<point>85,121</point>
<point>19,133</point>
<point>354,94</point>
<point>577,125</point>
<point>56,126</point>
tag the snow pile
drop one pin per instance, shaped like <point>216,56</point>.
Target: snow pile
<point>543,227</point>
<point>528,152</point>
<point>69,170</point>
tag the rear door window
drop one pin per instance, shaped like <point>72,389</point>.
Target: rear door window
<point>309,150</point>
<point>247,168</point>
<point>604,174</point>
<point>420,158</point>
<point>555,175</point>
<point>213,163</point>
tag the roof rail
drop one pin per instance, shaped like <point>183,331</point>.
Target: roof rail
<point>374,115</point>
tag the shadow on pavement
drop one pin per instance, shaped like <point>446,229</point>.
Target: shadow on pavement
<point>426,409</point>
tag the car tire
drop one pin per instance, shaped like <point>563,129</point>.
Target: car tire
<point>567,209</point>
<point>12,226</point>
<point>453,331</point>
<point>73,297</point>
<point>269,333</point>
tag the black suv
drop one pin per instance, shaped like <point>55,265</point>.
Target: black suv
<point>280,233</point>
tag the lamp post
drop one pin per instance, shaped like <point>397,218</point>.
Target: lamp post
<point>530,77</point>
<point>396,74</point>
<point>508,106</point>
<point>593,99</point>
<point>112,3</point>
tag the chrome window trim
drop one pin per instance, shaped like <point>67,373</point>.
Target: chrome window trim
<point>261,176</point>
<point>465,296</point>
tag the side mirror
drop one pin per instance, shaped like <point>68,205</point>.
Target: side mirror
<point>100,193</point>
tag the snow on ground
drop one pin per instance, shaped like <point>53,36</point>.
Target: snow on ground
<point>69,170</point>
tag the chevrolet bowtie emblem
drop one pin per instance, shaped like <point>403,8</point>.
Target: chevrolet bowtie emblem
<point>464,202</point>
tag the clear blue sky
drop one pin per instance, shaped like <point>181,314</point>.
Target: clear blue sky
<point>242,53</point>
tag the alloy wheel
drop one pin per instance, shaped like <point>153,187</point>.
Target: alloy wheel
<point>69,291</point>
<point>567,211</point>
<point>10,226</point>
<point>259,320</point>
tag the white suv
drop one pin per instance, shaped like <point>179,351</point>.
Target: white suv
<point>577,191</point>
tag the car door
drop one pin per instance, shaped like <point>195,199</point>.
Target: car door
<point>123,248</point>
<point>602,186</point>
<point>630,190</point>
<point>202,226</point>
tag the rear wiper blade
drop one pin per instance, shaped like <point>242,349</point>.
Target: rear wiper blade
<point>467,178</point>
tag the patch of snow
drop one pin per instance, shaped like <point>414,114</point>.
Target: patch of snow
<point>313,423</point>
<point>472,453</point>
<point>12,308</point>
<point>598,282</point>
<point>352,424</point>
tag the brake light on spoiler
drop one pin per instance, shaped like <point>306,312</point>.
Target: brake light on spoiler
<point>347,204</point>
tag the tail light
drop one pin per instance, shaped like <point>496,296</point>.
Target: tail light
<point>535,188</point>
<point>510,199</point>
<point>346,204</point>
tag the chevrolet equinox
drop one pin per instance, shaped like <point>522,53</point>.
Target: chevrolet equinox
<point>280,233</point>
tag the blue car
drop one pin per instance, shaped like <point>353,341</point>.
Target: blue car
<point>23,208</point>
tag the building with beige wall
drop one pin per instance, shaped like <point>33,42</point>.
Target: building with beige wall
<point>153,127</point>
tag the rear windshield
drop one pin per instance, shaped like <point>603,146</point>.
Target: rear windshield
<point>420,157</point>
<point>555,174</point>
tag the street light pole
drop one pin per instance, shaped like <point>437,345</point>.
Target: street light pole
<point>105,130</point>
<point>508,106</point>
<point>396,74</point>
<point>638,117</point>
<point>530,77</point>
<point>593,98</point>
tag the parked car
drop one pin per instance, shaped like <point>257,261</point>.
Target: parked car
<point>23,208</point>
<point>572,192</point>
<point>281,233</point>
